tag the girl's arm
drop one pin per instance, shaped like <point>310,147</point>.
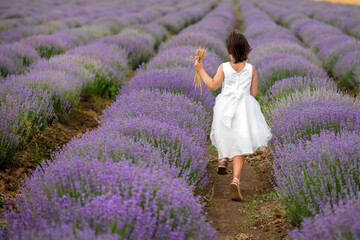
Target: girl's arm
<point>211,83</point>
<point>254,84</point>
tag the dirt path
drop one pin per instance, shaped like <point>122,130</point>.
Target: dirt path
<point>259,216</point>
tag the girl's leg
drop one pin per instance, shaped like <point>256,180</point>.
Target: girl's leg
<point>238,162</point>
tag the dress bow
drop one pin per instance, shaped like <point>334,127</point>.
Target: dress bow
<point>231,104</point>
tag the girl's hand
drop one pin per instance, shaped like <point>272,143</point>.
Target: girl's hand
<point>198,66</point>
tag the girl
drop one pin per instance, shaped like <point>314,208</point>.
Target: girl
<point>238,126</point>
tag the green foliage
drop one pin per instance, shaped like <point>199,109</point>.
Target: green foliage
<point>212,149</point>
<point>2,202</point>
<point>36,155</point>
<point>256,168</point>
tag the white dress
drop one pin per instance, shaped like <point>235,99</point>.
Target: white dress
<point>238,126</point>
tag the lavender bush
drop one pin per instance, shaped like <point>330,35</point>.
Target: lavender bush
<point>182,152</point>
<point>347,68</point>
<point>312,174</point>
<point>320,110</point>
<point>146,143</point>
<point>179,57</point>
<point>138,49</point>
<point>15,57</point>
<point>338,223</point>
<point>47,45</point>
<point>218,22</point>
<point>285,87</point>
<point>110,198</point>
<point>176,80</point>
<point>265,49</point>
<point>277,66</point>
<point>105,144</point>
<point>197,40</point>
<point>24,111</point>
<point>98,78</point>
<point>110,55</point>
<point>157,31</point>
<point>64,88</point>
<point>327,41</point>
<point>161,106</point>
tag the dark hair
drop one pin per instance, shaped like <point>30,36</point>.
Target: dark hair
<point>238,46</point>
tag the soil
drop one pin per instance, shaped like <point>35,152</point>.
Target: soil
<point>84,117</point>
<point>260,215</point>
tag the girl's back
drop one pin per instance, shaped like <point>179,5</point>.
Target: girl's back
<point>237,81</point>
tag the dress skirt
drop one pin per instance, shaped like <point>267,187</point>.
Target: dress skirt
<point>244,131</point>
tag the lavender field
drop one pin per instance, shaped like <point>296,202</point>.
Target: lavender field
<point>138,174</point>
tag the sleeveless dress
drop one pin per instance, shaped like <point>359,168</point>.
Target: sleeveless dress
<point>238,126</point>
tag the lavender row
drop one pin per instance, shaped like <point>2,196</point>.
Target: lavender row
<point>16,57</point>
<point>339,53</point>
<point>98,68</point>
<point>52,88</point>
<point>326,226</point>
<point>278,55</point>
<point>316,130</point>
<point>20,20</point>
<point>343,16</point>
<point>173,62</point>
<point>132,178</point>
